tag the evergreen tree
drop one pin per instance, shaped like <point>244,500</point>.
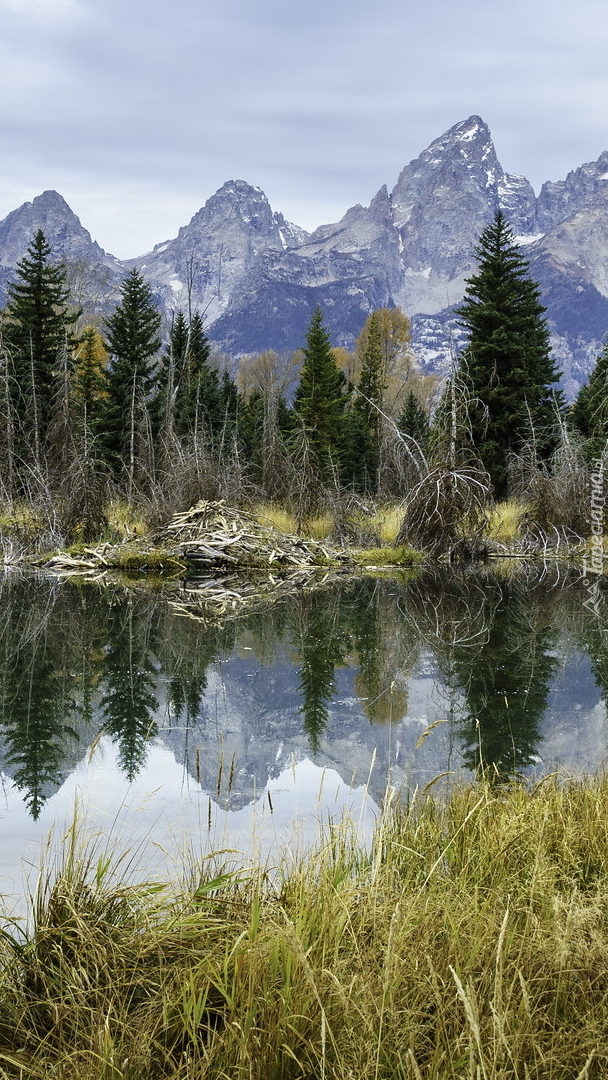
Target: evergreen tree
<point>369,399</point>
<point>362,436</point>
<point>201,402</point>
<point>171,374</point>
<point>507,363</point>
<point>38,342</point>
<point>189,394</point>
<point>505,681</point>
<point>37,704</point>
<point>89,381</point>
<point>230,401</point>
<point>251,430</point>
<point>358,454</point>
<point>319,399</point>
<point>589,413</point>
<point>132,341</point>
<point>413,421</point>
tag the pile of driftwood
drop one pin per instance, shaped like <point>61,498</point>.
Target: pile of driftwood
<point>210,535</point>
<point>93,562</point>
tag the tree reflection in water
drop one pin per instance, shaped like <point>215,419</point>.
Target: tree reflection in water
<point>79,660</point>
<point>494,638</point>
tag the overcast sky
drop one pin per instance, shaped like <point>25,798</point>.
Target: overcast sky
<point>136,111</point>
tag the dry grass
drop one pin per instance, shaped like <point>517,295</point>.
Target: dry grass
<point>270,514</point>
<point>388,520</point>
<point>385,521</point>
<point>317,528</point>
<point>505,521</point>
<point>471,942</point>
<point>124,520</point>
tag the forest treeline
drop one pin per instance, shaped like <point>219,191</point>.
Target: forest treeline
<point>129,409</point>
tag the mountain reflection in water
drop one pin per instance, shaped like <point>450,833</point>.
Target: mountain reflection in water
<point>501,669</point>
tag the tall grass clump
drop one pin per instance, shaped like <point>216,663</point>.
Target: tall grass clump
<point>469,942</point>
<point>505,521</point>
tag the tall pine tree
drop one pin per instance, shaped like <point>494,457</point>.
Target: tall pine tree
<point>132,340</point>
<point>365,418</point>
<point>319,399</point>
<point>200,405</point>
<point>507,366</point>
<point>38,343</point>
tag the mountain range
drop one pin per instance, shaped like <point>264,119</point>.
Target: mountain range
<point>257,277</point>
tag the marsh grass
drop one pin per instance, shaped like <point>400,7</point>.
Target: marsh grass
<point>385,521</point>
<point>505,521</point>
<point>316,528</point>
<point>470,942</point>
<point>388,520</point>
<point>124,520</point>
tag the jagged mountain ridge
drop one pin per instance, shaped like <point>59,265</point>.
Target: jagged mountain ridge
<point>257,277</point>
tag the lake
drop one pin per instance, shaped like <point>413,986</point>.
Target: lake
<point>176,728</point>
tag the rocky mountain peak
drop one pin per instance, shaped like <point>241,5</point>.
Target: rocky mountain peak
<point>240,207</point>
<point>223,244</point>
<point>62,228</point>
<point>469,139</point>
<point>237,203</point>
<point>463,158</point>
<point>582,189</point>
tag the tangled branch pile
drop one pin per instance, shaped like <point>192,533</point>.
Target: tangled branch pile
<point>213,535</point>
<point>208,536</point>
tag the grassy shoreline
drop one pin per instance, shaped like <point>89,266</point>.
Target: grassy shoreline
<point>471,941</point>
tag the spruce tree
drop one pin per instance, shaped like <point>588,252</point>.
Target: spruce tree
<point>129,704</point>
<point>589,413</point>
<point>132,340</point>
<point>320,641</point>
<point>506,365</point>
<point>89,382</point>
<point>362,434</point>
<point>319,399</point>
<point>414,421</point>
<point>38,342</point>
<point>200,403</point>
<point>505,684</point>
<point>170,374</point>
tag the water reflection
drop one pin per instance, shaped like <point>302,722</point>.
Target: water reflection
<point>504,671</point>
<point>339,673</point>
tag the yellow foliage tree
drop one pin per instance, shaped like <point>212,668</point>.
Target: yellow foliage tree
<point>400,371</point>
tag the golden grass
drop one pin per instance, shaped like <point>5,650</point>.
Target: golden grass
<point>470,942</point>
<point>388,520</point>
<point>270,514</point>
<point>276,517</point>
<point>18,515</point>
<point>124,520</point>
<point>319,527</point>
<point>505,521</point>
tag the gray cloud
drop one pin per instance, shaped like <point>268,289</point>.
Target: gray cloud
<point>136,112</point>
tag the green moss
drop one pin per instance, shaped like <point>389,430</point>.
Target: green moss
<point>153,562</point>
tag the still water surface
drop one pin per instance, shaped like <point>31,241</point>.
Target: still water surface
<point>168,726</point>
